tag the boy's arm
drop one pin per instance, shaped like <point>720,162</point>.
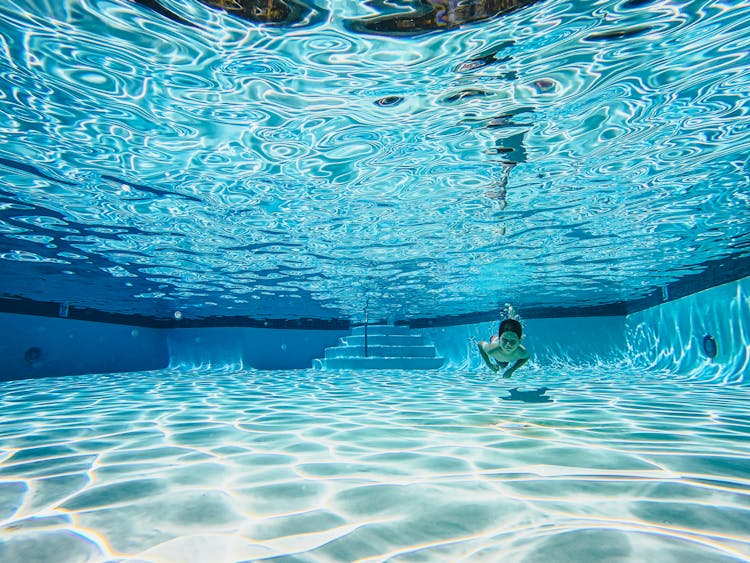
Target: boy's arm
<point>492,345</point>
<point>522,360</point>
<point>514,367</point>
<point>486,358</point>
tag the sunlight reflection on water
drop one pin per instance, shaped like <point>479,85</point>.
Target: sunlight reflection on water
<point>300,172</point>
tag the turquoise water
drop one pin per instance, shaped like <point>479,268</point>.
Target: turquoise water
<point>177,161</point>
<point>618,465</point>
<point>171,157</point>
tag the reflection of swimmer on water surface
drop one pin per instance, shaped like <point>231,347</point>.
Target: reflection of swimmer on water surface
<point>511,151</point>
<point>511,134</point>
<point>498,191</point>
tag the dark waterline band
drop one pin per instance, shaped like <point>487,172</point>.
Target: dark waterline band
<point>717,272</point>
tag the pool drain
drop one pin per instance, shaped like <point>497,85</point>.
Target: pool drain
<point>710,347</point>
<point>32,355</point>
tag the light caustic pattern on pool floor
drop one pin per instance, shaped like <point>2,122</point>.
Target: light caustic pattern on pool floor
<point>398,466</point>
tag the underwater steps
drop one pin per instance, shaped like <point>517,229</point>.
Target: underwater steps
<point>381,347</point>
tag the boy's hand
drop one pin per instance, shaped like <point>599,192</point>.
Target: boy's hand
<point>508,373</point>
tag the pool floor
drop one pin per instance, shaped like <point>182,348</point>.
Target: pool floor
<point>607,463</point>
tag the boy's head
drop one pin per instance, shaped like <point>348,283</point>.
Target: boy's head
<point>510,325</point>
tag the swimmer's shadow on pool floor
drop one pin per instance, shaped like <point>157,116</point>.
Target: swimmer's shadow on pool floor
<point>530,396</point>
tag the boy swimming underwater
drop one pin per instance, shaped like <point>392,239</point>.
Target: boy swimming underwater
<point>505,348</point>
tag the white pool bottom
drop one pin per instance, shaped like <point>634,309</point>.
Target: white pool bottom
<point>400,466</point>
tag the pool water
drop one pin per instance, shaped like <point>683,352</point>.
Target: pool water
<point>203,179</point>
<point>610,462</point>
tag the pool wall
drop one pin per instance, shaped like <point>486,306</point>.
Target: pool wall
<point>668,336</point>
<point>671,335</point>
<point>34,346</point>
<point>243,347</point>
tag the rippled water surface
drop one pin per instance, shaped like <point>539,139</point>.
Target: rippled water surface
<point>605,464</point>
<point>160,155</point>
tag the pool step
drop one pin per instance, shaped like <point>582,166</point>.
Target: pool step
<point>406,340</point>
<point>380,363</point>
<point>383,351</point>
<point>381,347</point>
<point>382,330</point>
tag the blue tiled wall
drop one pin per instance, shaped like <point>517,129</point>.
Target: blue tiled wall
<point>259,348</point>
<point>36,346</point>
<point>667,336</point>
<point>33,346</point>
<point>670,336</point>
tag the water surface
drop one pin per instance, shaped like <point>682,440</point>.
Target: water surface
<point>169,156</point>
